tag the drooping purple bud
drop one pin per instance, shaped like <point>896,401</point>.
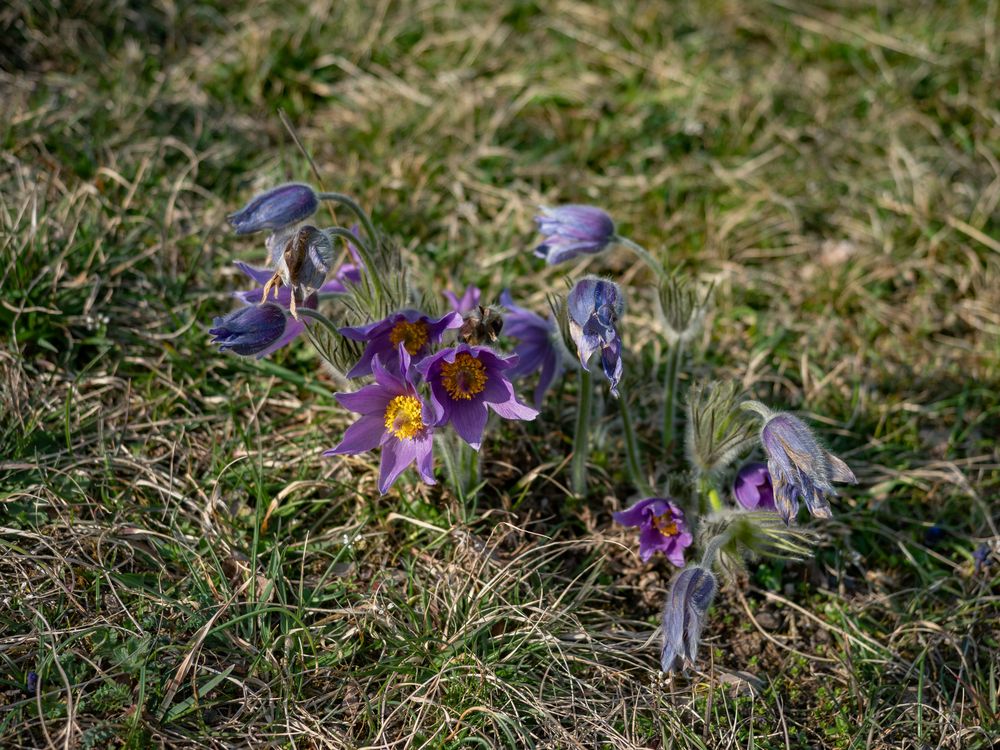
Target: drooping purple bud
<point>31,685</point>
<point>254,329</point>
<point>279,207</point>
<point>798,464</point>
<point>752,488</point>
<point>684,616</point>
<point>573,230</point>
<point>594,307</point>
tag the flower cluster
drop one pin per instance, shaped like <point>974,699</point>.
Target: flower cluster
<point>434,378</point>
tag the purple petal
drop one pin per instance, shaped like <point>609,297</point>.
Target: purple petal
<point>638,513</point>
<point>469,420</point>
<point>370,399</point>
<point>396,456</point>
<point>363,435</point>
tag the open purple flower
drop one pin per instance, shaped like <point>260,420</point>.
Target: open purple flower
<point>594,306</point>
<point>411,328</point>
<point>798,464</point>
<point>279,207</point>
<point>465,304</point>
<point>684,613</point>
<point>394,417</point>
<point>752,487</point>
<point>466,381</point>
<point>661,528</point>
<point>536,348</point>
<point>571,230</point>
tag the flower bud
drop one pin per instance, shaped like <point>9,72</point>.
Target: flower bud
<point>279,207</point>
<point>684,616</point>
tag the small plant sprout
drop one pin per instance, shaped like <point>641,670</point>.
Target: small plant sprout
<point>717,433</point>
<point>682,310</point>
<point>798,465</point>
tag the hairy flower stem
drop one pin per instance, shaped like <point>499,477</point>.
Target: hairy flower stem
<point>581,439</point>
<point>674,357</point>
<point>308,312</point>
<point>643,253</point>
<point>714,545</point>
<point>708,496</point>
<point>365,250</point>
<point>633,457</point>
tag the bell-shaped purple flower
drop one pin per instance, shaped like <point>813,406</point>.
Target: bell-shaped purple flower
<point>466,382</point>
<point>571,230</point>
<point>279,207</point>
<point>411,328</point>
<point>537,348</point>
<point>393,416</point>
<point>752,487</point>
<point>798,464</point>
<point>684,616</point>
<point>594,306</point>
<point>661,528</point>
<point>253,330</point>
<point>465,304</point>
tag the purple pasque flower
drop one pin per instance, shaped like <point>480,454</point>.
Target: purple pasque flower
<point>466,381</point>
<point>393,416</point>
<point>411,328</point>
<point>752,487</point>
<point>256,329</point>
<point>594,306</point>
<point>573,230</point>
<point>661,528</point>
<point>465,304</point>
<point>279,207</point>
<point>537,347</point>
<point>798,464</point>
<point>684,612</point>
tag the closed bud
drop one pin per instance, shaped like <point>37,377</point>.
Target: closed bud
<point>277,208</point>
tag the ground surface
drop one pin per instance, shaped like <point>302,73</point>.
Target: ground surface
<point>166,511</point>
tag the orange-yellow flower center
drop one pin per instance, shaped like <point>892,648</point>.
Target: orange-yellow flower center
<point>403,417</point>
<point>665,524</point>
<point>413,336</point>
<point>463,378</point>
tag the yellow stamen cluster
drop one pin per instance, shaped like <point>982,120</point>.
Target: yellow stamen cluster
<point>665,524</point>
<point>463,378</point>
<point>413,336</point>
<point>403,417</point>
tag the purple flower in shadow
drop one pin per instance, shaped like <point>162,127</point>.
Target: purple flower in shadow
<point>684,613</point>
<point>661,528</point>
<point>571,230</point>
<point>537,347</point>
<point>752,487</point>
<point>466,381</point>
<point>468,302</point>
<point>411,328</point>
<point>798,465</point>
<point>393,416</point>
<point>595,306</point>
<point>277,208</point>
